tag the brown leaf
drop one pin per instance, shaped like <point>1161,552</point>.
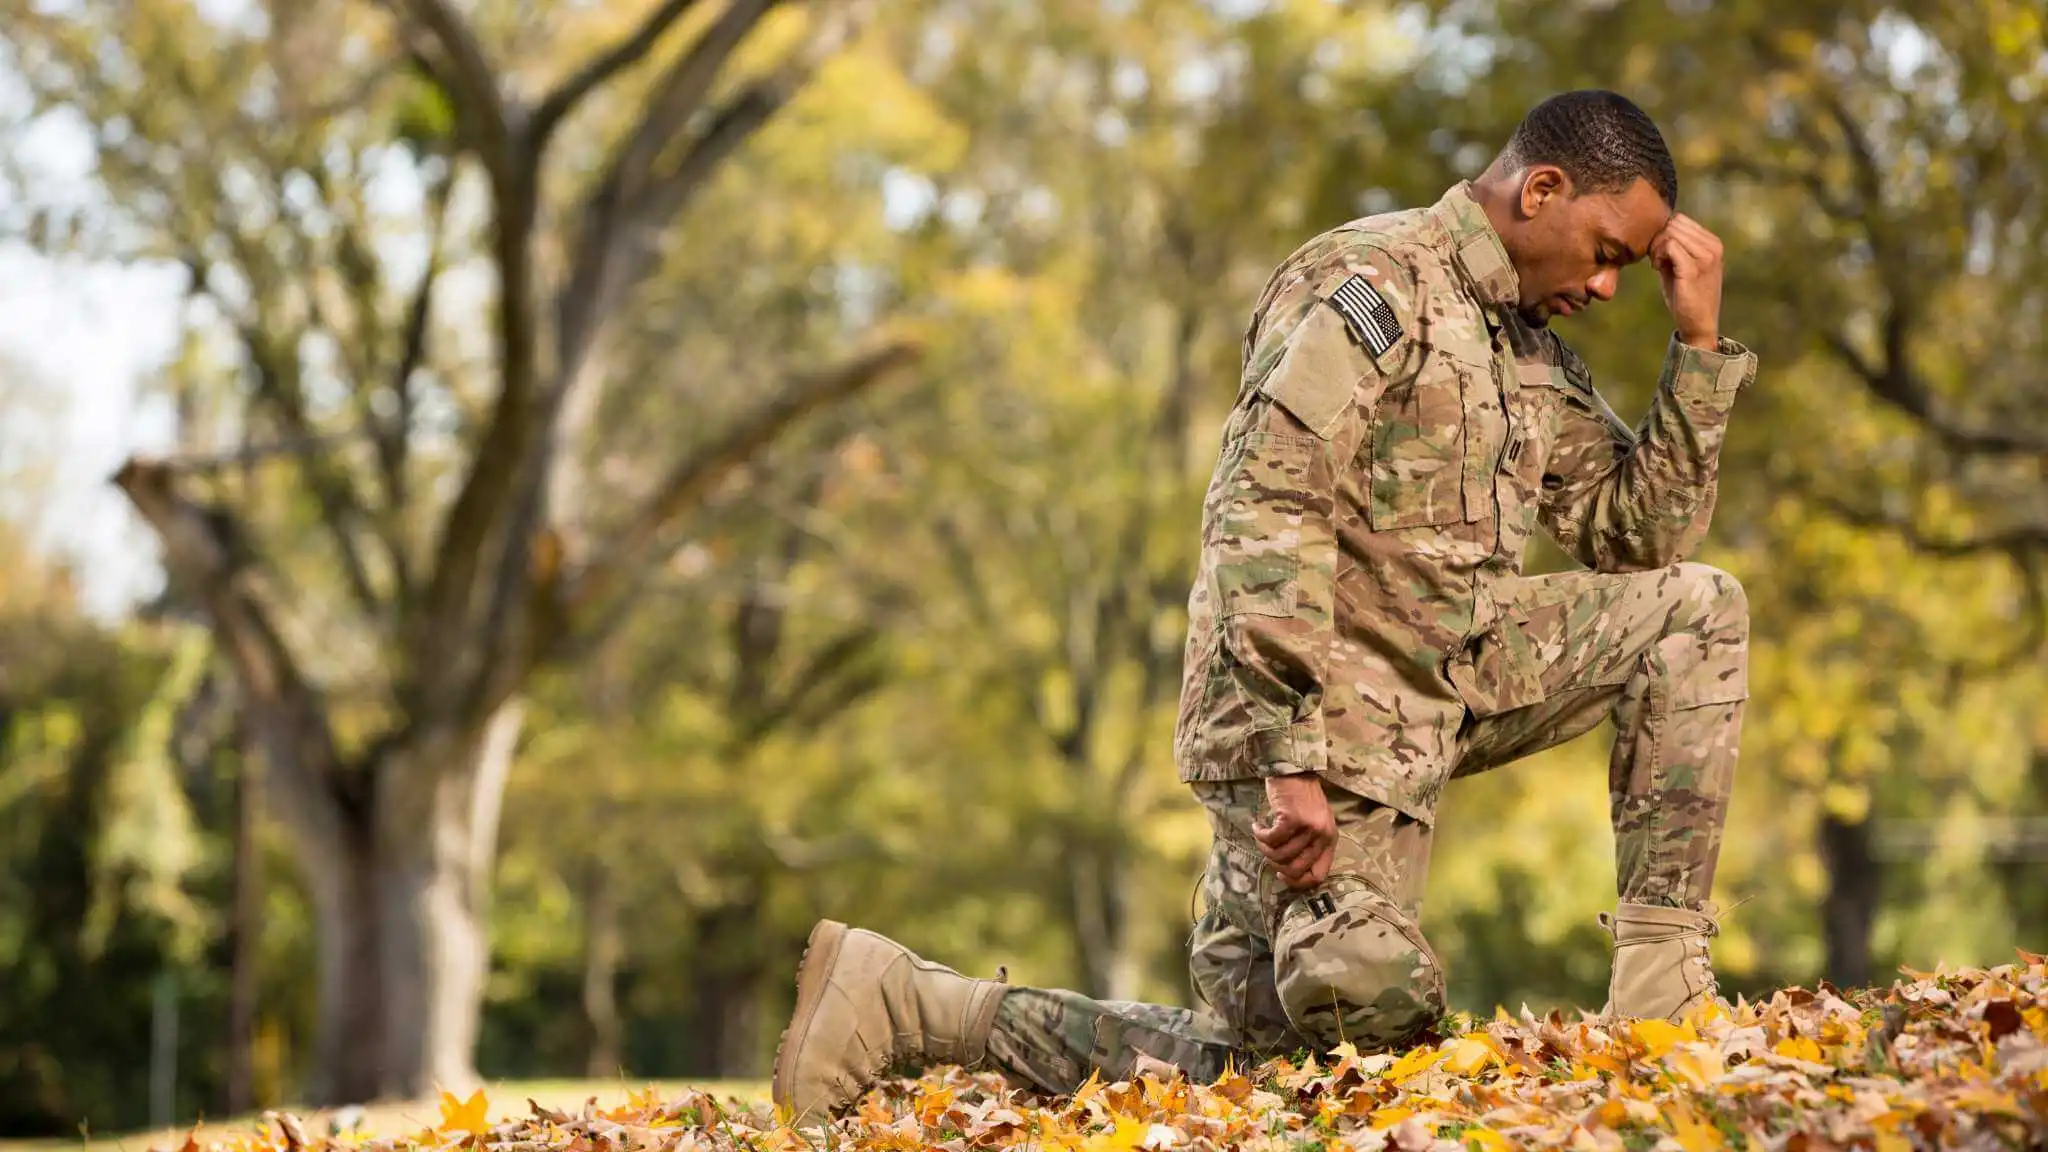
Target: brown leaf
<point>2002,1018</point>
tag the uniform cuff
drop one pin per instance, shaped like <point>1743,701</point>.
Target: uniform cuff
<point>1295,750</point>
<point>1717,376</point>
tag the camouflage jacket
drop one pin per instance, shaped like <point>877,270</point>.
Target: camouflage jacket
<point>1398,435</point>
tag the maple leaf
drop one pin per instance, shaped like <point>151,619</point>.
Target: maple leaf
<point>464,1115</point>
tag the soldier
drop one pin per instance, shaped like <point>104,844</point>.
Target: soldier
<point>1360,632</point>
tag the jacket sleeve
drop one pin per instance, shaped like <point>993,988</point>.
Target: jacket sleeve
<point>1270,531</point>
<point>1625,501</point>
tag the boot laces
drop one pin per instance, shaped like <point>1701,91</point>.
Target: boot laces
<point>1697,955</point>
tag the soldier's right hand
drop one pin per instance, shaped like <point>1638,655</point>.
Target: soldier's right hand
<point>1299,835</point>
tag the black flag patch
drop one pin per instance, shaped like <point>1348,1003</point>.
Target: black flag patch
<point>1367,314</point>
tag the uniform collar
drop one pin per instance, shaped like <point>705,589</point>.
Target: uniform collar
<point>1480,254</point>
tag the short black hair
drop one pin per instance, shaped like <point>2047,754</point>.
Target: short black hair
<point>1601,140</point>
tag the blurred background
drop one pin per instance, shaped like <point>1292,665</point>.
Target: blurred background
<point>514,508</point>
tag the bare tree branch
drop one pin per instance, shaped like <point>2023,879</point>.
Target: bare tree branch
<point>393,435</point>
<point>341,508</point>
<point>558,104</point>
<point>1896,383</point>
<point>2014,540</point>
<point>457,62</point>
<point>205,551</point>
<point>691,478</point>
<point>613,211</point>
<point>834,665</point>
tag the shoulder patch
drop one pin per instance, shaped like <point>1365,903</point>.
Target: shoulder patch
<point>1366,313</point>
<point>1316,374</point>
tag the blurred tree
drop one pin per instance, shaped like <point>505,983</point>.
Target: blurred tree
<point>323,172</point>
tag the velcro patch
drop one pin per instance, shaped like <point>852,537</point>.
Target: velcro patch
<point>1367,314</point>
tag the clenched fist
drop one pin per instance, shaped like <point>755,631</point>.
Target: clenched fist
<point>1688,260</point>
<point>1300,834</point>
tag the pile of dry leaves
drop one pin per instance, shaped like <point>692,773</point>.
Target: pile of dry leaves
<point>1939,1060</point>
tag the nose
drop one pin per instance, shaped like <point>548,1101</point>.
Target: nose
<point>1604,284</point>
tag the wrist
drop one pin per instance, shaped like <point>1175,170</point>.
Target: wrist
<point>1704,339</point>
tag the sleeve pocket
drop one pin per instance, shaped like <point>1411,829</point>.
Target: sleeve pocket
<point>1271,497</point>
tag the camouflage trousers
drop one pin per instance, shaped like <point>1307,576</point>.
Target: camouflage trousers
<point>1279,970</point>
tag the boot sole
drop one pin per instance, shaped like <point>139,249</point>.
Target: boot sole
<point>821,951</point>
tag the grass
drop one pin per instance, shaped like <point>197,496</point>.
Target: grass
<point>399,1117</point>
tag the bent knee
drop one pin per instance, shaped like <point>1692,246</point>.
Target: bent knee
<point>1352,968</point>
<point>1717,593</point>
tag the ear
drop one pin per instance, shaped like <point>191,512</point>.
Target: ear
<point>1542,185</point>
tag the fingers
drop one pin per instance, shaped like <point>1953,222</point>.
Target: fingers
<point>1685,243</point>
<point>1311,868</point>
<point>1301,853</point>
<point>1285,839</point>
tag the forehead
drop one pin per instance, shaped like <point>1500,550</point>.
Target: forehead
<point>1632,217</point>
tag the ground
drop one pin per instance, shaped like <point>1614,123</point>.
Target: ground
<point>1945,1059</point>
<point>401,1118</point>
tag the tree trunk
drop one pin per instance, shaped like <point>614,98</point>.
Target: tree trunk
<point>1851,907</point>
<point>246,933</point>
<point>401,908</point>
<point>347,1022</point>
<point>437,821</point>
<point>1095,874</point>
<point>601,949</point>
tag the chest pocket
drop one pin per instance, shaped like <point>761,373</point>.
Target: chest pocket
<point>1415,454</point>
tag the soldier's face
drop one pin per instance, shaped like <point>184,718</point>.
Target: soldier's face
<point>1569,250</point>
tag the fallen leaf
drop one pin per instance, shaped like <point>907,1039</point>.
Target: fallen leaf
<point>1468,1054</point>
<point>1799,1048</point>
<point>1658,1036</point>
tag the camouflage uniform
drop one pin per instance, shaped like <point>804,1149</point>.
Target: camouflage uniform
<point>1360,614</point>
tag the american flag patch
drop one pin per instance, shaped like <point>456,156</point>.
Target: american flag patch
<point>1366,311</point>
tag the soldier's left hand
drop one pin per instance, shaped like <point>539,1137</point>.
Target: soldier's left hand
<point>1688,260</point>
<point>1300,836</point>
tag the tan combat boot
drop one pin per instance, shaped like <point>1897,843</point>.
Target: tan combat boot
<point>863,1002</point>
<point>1661,966</point>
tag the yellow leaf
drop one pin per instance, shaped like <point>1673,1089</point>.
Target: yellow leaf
<point>1388,1117</point>
<point>1412,1064</point>
<point>1486,1140</point>
<point>1698,1065</point>
<point>1658,1036</point>
<point>931,1108</point>
<point>1467,1054</point>
<point>1799,1048</point>
<point>1128,1134</point>
<point>1694,1134</point>
<point>465,1115</point>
